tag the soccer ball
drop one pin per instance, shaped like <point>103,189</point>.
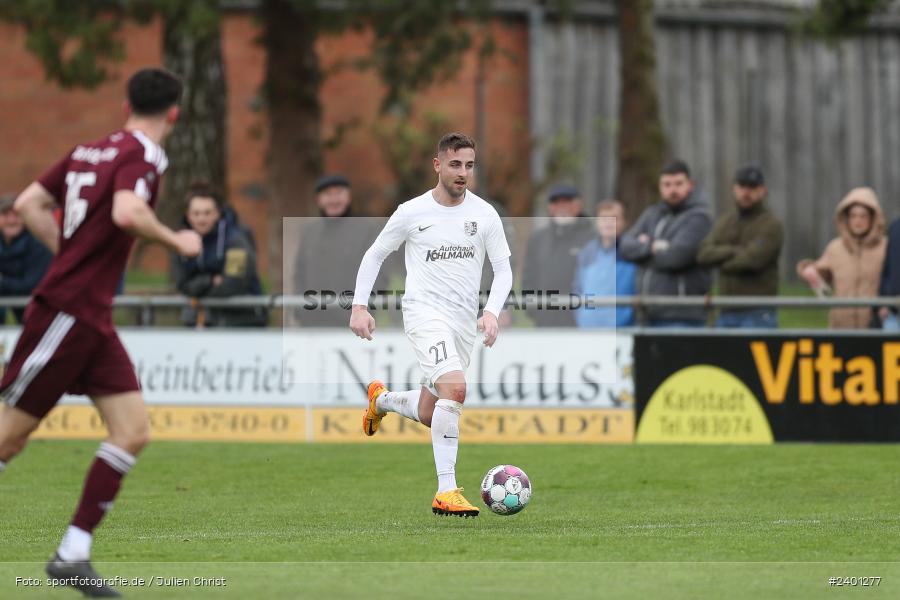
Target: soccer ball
<point>506,489</point>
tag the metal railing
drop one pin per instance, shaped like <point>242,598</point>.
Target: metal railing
<point>147,305</point>
<point>519,300</point>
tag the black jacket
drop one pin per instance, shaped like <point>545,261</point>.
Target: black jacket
<point>229,251</point>
<point>890,273</point>
<point>23,262</point>
<point>673,271</point>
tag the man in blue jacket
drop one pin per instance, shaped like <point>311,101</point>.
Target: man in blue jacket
<point>890,279</point>
<point>600,271</point>
<point>23,259</point>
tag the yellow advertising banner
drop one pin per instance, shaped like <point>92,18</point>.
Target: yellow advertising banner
<point>188,423</point>
<point>300,424</point>
<point>487,425</point>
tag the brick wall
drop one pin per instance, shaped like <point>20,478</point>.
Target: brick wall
<point>41,121</point>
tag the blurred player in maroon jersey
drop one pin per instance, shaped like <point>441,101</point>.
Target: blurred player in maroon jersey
<point>107,189</point>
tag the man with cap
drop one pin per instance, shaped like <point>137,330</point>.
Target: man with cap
<point>23,259</point>
<point>744,245</point>
<point>331,247</point>
<point>552,255</point>
<point>333,195</point>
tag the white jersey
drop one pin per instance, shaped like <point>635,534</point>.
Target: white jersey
<point>445,251</point>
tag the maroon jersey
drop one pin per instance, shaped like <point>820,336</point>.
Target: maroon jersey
<point>93,251</point>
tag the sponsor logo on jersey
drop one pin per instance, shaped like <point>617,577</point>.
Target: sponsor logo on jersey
<point>94,156</point>
<point>447,252</point>
<point>470,227</point>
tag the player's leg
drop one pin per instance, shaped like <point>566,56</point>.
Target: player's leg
<point>450,385</point>
<point>433,344</point>
<point>416,405</point>
<point>126,419</point>
<point>52,353</point>
<point>112,384</point>
<point>48,356</point>
<point>129,432</point>
<point>15,427</point>
<point>425,408</point>
<point>451,388</point>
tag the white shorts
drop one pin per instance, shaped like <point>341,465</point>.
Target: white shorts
<point>440,350</point>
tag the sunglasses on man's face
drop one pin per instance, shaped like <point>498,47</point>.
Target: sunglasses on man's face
<point>561,199</point>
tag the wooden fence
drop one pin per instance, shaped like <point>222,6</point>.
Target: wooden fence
<point>736,86</point>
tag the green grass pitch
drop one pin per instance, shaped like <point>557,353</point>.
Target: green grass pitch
<point>354,521</point>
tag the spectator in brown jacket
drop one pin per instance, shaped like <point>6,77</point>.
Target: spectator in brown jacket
<point>851,264</point>
<point>744,245</point>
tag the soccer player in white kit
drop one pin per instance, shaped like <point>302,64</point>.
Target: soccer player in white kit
<point>447,230</point>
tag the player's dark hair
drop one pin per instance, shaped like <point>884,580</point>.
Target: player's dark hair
<point>455,142</point>
<point>676,166</point>
<point>153,91</point>
<point>203,189</point>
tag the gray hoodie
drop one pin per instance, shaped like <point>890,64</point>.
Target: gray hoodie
<point>673,271</point>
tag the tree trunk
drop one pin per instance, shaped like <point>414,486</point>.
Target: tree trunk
<point>293,77</point>
<point>481,129</point>
<point>197,145</point>
<point>641,142</point>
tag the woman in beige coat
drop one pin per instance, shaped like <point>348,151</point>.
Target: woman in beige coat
<point>851,263</point>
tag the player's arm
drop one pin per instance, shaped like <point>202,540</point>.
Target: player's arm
<point>394,233</point>
<point>500,288</point>
<point>498,252</point>
<point>131,213</point>
<point>362,323</point>
<point>35,206</point>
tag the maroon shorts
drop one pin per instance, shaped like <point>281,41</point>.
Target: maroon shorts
<point>58,354</point>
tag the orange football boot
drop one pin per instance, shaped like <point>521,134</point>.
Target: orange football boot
<point>372,418</point>
<point>452,502</point>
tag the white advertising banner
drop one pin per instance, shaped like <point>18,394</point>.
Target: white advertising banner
<point>331,368</point>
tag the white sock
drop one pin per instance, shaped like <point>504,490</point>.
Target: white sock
<point>75,545</point>
<point>2,466</point>
<point>445,442</point>
<point>402,403</point>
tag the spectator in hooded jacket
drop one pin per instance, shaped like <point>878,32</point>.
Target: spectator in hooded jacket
<point>744,245</point>
<point>226,266</point>
<point>851,265</point>
<point>602,272</point>
<point>890,279</point>
<point>23,259</point>
<point>664,243</point>
<point>551,254</point>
